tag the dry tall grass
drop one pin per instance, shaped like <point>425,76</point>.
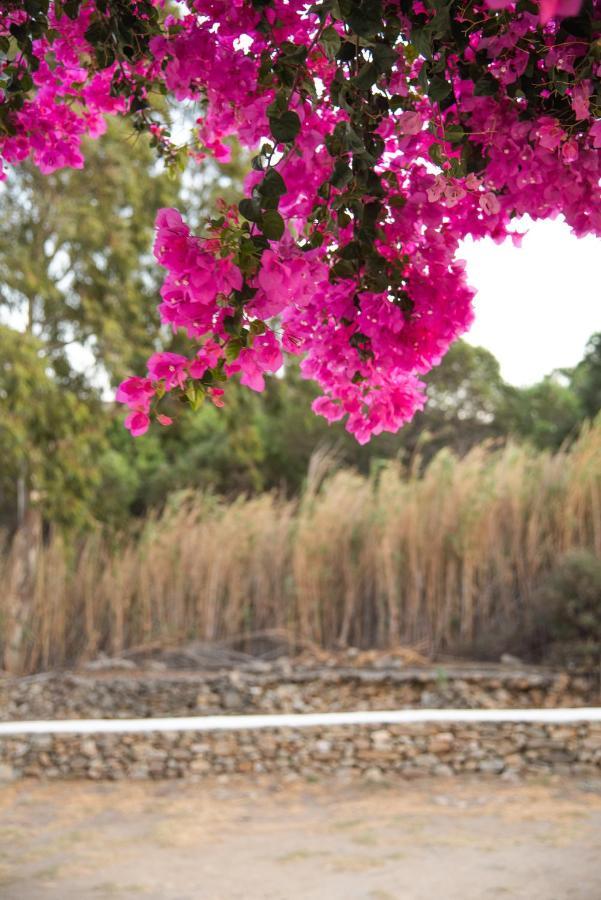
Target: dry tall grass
<point>437,560</point>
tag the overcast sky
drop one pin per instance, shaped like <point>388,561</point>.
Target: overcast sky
<point>536,305</point>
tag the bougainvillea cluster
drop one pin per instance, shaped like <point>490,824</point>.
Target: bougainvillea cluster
<point>382,133</point>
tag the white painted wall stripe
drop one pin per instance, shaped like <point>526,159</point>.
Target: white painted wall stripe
<point>300,720</point>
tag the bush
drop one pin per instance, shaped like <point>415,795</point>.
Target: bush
<point>566,612</point>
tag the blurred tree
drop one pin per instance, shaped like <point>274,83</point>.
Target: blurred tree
<point>585,378</point>
<point>291,432</point>
<point>212,449</point>
<point>466,394</point>
<point>203,186</point>
<point>546,414</point>
<point>75,260</point>
<point>49,438</point>
<point>76,275</point>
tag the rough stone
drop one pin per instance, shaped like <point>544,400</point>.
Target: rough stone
<point>371,751</point>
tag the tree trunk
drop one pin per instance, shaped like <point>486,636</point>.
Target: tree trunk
<point>21,588</point>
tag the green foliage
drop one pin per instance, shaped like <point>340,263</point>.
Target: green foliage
<point>466,401</point>
<point>49,439</point>
<point>265,441</point>
<point>75,259</point>
<point>75,271</point>
<point>546,414</point>
<point>585,378</point>
<point>203,187</point>
<point>566,614</point>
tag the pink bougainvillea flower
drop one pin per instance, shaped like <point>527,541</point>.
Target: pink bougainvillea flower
<point>215,395</point>
<point>211,352</point>
<point>135,392</point>
<point>550,133</point>
<point>569,151</point>
<point>327,408</point>
<point>171,244</point>
<point>168,367</point>
<point>268,352</point>
<point>558,9</point>
<point>206,358</point>
<point>581,100</point>
<point>549,9</point>
<point>453,194</point>
<point>410,122</point>
<point>595,134</point>
<point>137,423</point>
<point>489,204</point>
<point>240,298</point>
<point>221,152</point>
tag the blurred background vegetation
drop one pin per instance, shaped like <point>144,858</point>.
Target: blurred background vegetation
<point>78,291</point>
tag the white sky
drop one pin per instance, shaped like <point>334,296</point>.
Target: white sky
<point>536,305</point>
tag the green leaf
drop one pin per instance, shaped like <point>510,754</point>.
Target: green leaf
<point>35,7</point>
<point>97,32</point>
<point>364,18</point>
<point>344,268</point>
<point>351,251</point>
<point>71,8</point>
<point>232,323</point>
<point>19,81</point>
<point>105,57</point>
<point>368,75</point>
<point>454,134</point>
<point>259,242</point>
<point>331,42</point>
<point>285,128</point>
<point>384,56</point>
<point>528,6</point>
<point>272,225</point>
<point>342,174</point>
<point>458,168</point>
<point>294,54</point>
<point>347,52</point>
<point>352,141</point>
<point>439,88</point>
<point>232,349</point>
<point>358,339</point>
<point>421,39</point>
<point>250,209</point>
<point>435,154</point>
<point>486,86</point>
<point>273,185</point>
<point>279,104</point>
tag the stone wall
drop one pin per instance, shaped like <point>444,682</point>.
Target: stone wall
<point>372,752</point>
<point>283,688</point>
<point>410,750</point>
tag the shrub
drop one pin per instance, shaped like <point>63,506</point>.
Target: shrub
<point>566,612</point>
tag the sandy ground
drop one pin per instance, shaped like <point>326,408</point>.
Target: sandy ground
<point>427,840</point>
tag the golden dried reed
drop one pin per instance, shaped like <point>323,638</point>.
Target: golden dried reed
<point>432,560</point>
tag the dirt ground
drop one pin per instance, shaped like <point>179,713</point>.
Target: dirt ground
<point>427,840</point>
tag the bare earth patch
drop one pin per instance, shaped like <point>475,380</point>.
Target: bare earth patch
<point>428,840</point>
